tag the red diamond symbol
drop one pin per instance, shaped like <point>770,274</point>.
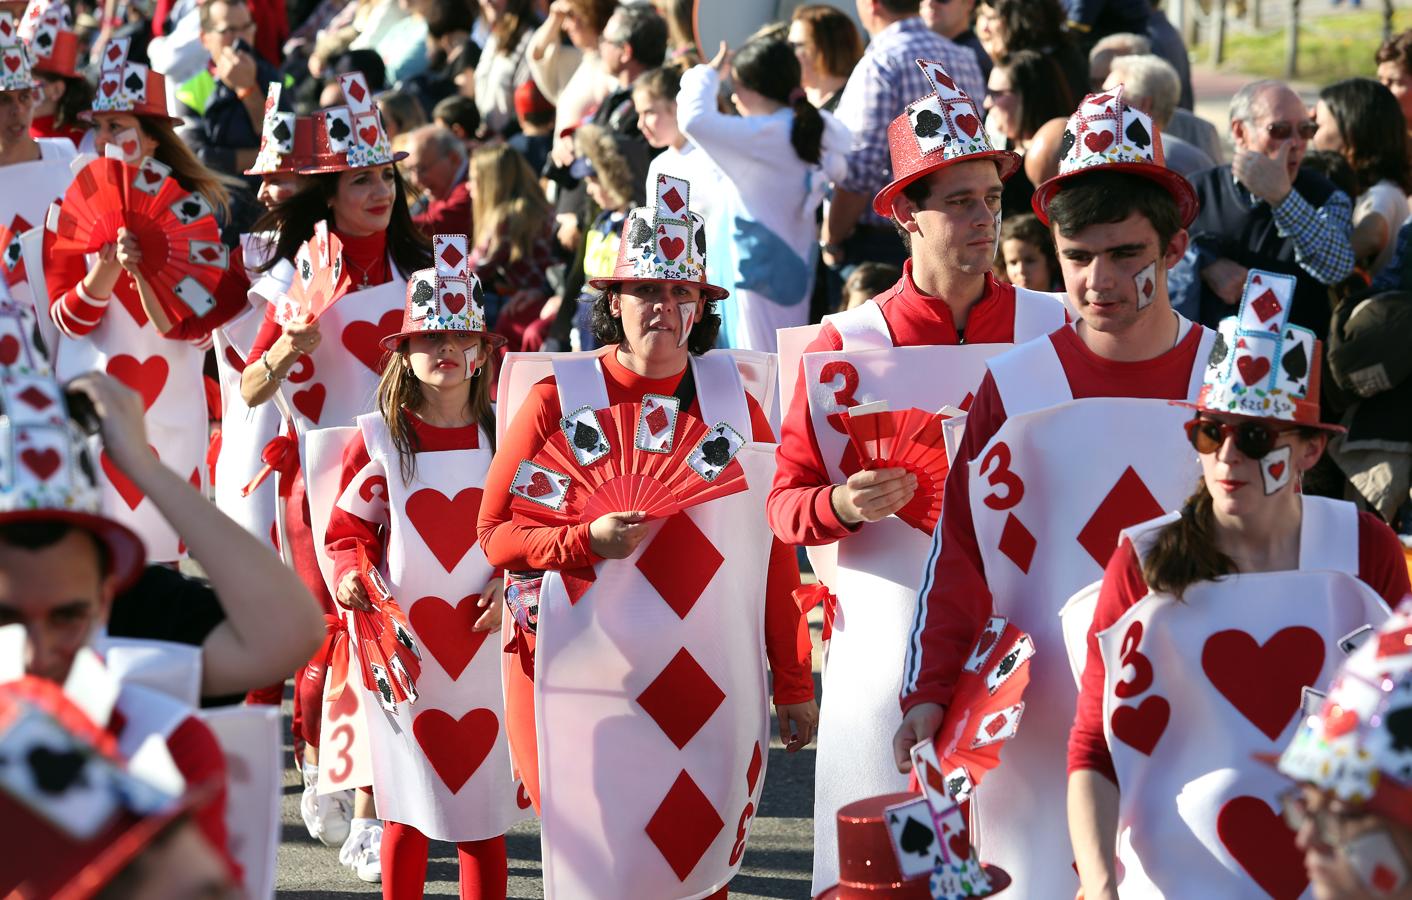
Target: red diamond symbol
<point>684,825</point>
<point>1267,305</point>
<point>680,562</point>
<point>657,420</point>
<point>1128,503</point>
<point>673,200</point>
<point>35,397</point>
<point>681,699</point>
<point>210,253</point>
<point>1017,543</point>
<point>451,256</point>
<point>752,774</point>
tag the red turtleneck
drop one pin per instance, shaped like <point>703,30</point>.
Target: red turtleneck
<point>44,127</point>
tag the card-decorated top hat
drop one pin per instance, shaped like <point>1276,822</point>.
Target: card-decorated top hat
<point>445,298</point>
<point>665,243</point>
<point>15,57</point>
<point>1261,366</point>
<point>347,137</point>
<point>1106,134</point>
<point>943,128</point>
<point>128,87</point>
<point>280,135</point>
<point>47,27</point>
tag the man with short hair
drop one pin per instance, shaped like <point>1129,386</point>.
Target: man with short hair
<point>1263,212</point>
<point>437,166</point>
<point>954,20</point>
<point>634,41</point>
<point>1150,83</point>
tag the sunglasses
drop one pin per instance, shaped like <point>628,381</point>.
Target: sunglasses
<point>1281,131</point>
<point>1252,439</point>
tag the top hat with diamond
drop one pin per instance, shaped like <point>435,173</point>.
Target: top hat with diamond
<point>1261,366</point>
<point>938,130</point>
<point>1106,134</point>
<point>347,137</point>
<point>16,59</point>
<point>665,243</point>
<point>128,87</point>
<point>47,27</point>
<point>280,135</point>
<point>445,298</point>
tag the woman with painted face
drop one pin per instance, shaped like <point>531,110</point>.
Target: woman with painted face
<point>1209,623</point>
<point>633,628</point>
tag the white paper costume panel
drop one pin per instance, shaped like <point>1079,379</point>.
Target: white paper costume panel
<point>1228,662</point>
<point>250,738</point>
<point>878,569</point>
<point>30,188</point>
<point>440,764</point>
<point>1043,533</point>
<point>652,709</point>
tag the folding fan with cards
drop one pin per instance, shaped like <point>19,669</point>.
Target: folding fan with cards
<point>387,653</point>
<point>634,457</point>
<point>320,277</point>
<point>911,439</point>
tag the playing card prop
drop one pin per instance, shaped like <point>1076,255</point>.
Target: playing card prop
<point>446,297</point>
<point>128,87</point>
<point>1260,364</point>
<point>350,136</point>
<point>911,439</point>
<point>182,254</point>
<point>388,656</point>
<point>936,843</point>
<point>320,278</point>
<point>12,260</point>
<point>47,27</point>
<point>15,57</point>
<point>664,242</point>
<point>277,136</point>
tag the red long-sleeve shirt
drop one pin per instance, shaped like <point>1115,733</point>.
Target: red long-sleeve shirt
<point>516,546</point>
<point>959,600</point>
<point>799,506</point>
<point>1381,566</point>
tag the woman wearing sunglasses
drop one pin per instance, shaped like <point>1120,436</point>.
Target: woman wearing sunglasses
<point>1209,623</point>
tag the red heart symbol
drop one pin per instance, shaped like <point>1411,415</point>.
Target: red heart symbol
<point>960,845</point>
<point>1263,681</point>
<point>12,63</point>
<point>1141,726</point>
<point>1384,879</point>
<point>1264,846</point>
<point>132,495</point>
<point>968,123</point>
<point>147,377</point>
<point>672,247</point>
<point>456,747</point>
<point>41,462</point>
<point>364,339</point>
<point>346,704</point>
<point>310,402</point>
<point>9,349</point>
<point>369,134</point>
<point>445,630</point>
<point>1277,469</point>
<point>150,176</point>
<point>539,485</point>
<point>446,525</point>
<point>1252,368</point>
<point>129,149</point>
<point>453,302</point>
<point>982,645</point>
<point>1098,141</point>
<point>1339,721</point>
<point>109,87</point>
<point>375,486</point>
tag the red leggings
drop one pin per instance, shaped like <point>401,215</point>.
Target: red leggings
<point>484,869</point>
<point>308,681</point>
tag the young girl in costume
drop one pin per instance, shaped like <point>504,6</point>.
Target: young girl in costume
<point>410,490</point>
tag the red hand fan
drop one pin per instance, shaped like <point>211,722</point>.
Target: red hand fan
<point>320,277</point>
<point>910,439</point>
<point>92,209</point>
<point>556,488</point>
<point>387,653</point>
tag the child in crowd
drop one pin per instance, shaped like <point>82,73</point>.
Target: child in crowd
<point>654,96</point>
<point>867,281</point>
<point>1027,251</point>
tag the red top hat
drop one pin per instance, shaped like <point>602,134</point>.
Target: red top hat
<point>128,87</point>
<point>1106,134</point>
<point>665,244</point>
<point>47,27</point>
<point>943,128</point>
<point>351,136</point>
<point>444,298</point>
<point>282,135</point>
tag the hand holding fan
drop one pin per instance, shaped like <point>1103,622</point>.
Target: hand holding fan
<point>320,278</point>
<point>387,654</point>
<point>92,210</point>
<point>911,439</point>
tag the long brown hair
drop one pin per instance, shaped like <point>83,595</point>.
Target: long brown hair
<point>189,171</point>
<point>507,199</point>
<point>400,393</point>
<point>1185,552</point>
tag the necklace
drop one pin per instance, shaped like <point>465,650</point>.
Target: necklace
<point>362,271</point>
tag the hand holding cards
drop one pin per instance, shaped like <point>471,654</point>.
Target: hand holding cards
<point>320,278</point>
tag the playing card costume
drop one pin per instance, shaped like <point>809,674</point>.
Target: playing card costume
<point>638,712</point>
<point>1024,525</point>
<point>902,347</point>
<point>1197,814</point>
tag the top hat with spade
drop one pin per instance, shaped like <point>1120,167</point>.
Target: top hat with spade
<point>16,59</point>
<point>1106,134</point>
<point>281,135</point>
<point>444,298</point>
<point>665,244</point>
<point>347,137</point>
<point>1261,366</point>
<point>48,29</point>
<point>128,87</point>
<point>938,130</point>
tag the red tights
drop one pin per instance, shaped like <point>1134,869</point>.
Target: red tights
<point>484,869</point>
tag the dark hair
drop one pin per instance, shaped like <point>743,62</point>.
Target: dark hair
<point>293,220</point>
<point>771,69</point>
<point>1028,228</point>
<point>366,61</point>
<point>833,38</point>
<point>1334,167</point>
<point>445,17</point>
<point>203,11</point>
<point>871,278</point>
<point>78,97</point>
<point>661,83</point>
<point>594,14</point>
<point>517,18</point>
<point>608,328</point>
<point>1031,25</point>
<point>1374,131</point>
<point>458,110</point>
<point>1039,83</point>
<point>901,7</point>
<point>38,535</point>
<point>1398,49</point>
<point>1102,198</point>
<point>644,31</point>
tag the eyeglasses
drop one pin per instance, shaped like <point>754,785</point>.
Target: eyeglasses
<point>1281,131</point>
<point>1252,439</point>
<point>233,30</point>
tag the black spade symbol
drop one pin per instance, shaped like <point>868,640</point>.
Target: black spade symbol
<point>191,209</point>
<point>384,688</point>
<point>337,129</point>
<point>1296,363</point>
<point>928,124</point>
<point>585,437</point>
<point>955,785</point>
<point>477,293</point>
<point>716,451</point>
<point>12,252</point>
<point>133,82</point>
<point>1007,663</point>
<point>1219,350</point>
<point>1066,143</point>
<point>421,294</point>
<point>281,131</point>
<point>305,269</point>
<point>639,232</point>
<point>700,241</point>
<point>55,771</point>
<point>44,40</point>
<point>1399,726</point>
<point>916,838</point>
<point>403,637</point>
<point>1137,134</point>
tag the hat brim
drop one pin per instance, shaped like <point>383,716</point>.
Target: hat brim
<point>1173,182</point>
<point>55,70</point>
<point>326,168</point>
<point>89,115</point>
<point>282,170</point>
<point>708,290</point>
<point>1007,161</point>
<point>496,341</point>
<point>126,549</point>
<point>1322,426</point>
<point>999,881</point>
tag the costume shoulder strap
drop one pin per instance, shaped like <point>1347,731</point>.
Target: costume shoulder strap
<point>862,328</point>
<point>720,392</point>
<point>1328,535</point>
<point>580,383</point>
<point>1030,377</point>
<point>1037,313</point>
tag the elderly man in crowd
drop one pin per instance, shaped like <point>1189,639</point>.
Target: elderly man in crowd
<point>437,165</point>
<point>1151,84</point>
<point>1184,123</point>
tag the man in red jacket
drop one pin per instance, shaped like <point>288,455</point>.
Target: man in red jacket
<point>436,160</point>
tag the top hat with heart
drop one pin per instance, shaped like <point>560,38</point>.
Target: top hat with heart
<point>1106,134</point>
<point>348,137</point>
<point>665,243</point>
<point>47,26</point>
<point>1261,366</point>
<point>16,59</point>
<point>938,130</point>
<point>282,134</point>
<point>445,298</point>
<point>128,87</point>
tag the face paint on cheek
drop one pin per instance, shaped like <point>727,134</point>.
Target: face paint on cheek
<point>1275,470</point>
<point>1374,858</point>
<point>1146,284</point>
<point>471,368</point>
<point>688,318</point>
<point>129,144</point>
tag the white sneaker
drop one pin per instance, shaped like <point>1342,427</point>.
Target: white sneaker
<point>362,851</point>
<point>326,817</point>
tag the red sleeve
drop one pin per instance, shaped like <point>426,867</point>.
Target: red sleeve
<point>511,545</point>
<point>799,507</point>
<point>1382,564</point>
<point>346,532</point>
<point>72,311</point>
<point>1123,586</point>
<point>955,600</point>
<point>198,757</point>
<point>232,296</point>
<point>265,338</point>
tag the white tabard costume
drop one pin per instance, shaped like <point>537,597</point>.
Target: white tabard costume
<point>1045,528</point>
<point>441,763</point>
<point>880,567</point>
<point>1199,816</point>
<point>30,187</point>
<point>653,727</point>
